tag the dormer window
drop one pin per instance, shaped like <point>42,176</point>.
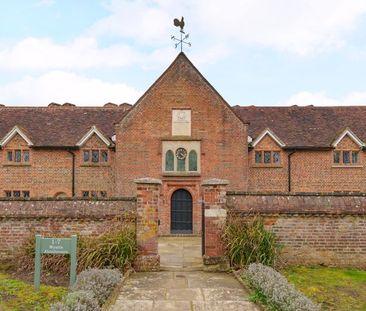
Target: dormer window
<point>17,156</point>
<point>95,156</point>
<point>346,157</point>
<point>267,157</point>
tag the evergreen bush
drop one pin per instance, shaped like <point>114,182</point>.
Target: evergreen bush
<point>277,290</point>
<point>100,282</point>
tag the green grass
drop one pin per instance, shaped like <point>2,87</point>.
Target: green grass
<point>17,295</point>
<point>336,288</point>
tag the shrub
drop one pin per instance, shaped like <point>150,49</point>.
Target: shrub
<point>100,282</point>
<point>114,249</point>
<point>80,300</point>
<point>278,291</point>
<point>248,242</point>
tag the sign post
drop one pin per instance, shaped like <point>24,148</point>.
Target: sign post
<point>54,246</point>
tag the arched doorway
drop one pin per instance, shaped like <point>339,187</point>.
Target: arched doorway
<point>181,212</point>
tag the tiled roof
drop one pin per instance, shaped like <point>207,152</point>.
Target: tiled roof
<point>307,126</point>
<point>295,126</point>
<point>59,126</point>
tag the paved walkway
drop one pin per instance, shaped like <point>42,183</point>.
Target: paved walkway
<point>182,291</point>
<point>180,253</point>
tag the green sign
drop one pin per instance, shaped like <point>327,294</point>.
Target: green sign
<point>55,246</point>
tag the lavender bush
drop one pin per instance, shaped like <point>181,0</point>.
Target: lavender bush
<point>80,300</point>
<point>100,282</point>
<point>278,291</point>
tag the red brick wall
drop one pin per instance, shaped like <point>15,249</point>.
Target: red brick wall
<point>19,219</point>
<point>311,171</point>
<point>267,177</point>
<point>49,172</point>
<point>139,136</point>
<point>314,229</point>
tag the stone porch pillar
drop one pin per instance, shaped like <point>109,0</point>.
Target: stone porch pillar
<point>148,199</point>
<point>214,198</point>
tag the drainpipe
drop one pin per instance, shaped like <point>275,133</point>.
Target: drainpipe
<point>73,173</point>
<point>289,169</point>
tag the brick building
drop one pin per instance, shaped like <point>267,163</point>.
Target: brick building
<point>182,132</point>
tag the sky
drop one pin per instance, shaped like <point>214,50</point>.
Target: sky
<point>254,52</point>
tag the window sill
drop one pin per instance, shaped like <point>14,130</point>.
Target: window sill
<point>181,174</point>
<point>347,166</point>
<point>267,166</point>
<point>95,165</point>
<point>17,164</point>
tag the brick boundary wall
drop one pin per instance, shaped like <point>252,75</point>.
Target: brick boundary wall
<point>20,218</point>
<point>320,229</point>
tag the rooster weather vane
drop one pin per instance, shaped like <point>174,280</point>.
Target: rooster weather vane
<point>183,35</point>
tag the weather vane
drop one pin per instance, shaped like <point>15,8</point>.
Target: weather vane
<point>183,35</point>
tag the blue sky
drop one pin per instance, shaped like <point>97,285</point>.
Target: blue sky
<point>254,52</point>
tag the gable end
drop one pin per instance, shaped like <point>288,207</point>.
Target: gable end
<point>14,131</point>
<point>270,134</point>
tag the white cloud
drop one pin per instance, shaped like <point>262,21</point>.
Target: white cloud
<point>305,98</point>
<point>299,26</point>
<point>43,53</point>
<point>61,87</point>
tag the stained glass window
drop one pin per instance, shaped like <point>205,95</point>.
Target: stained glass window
<point>26,156</point>
<point>86,156</point>
<point>104,156</point>
<point>95,156</point>
<point>16,194</point>
<point>346,157</point>
<point>169,161</point>
<point>336,156</point>
<point>267,156</point>
<point>258,157</point>
<point>354,157</point>
<point>276,157</point>
<point>192,159</point>
<point>18,156</point>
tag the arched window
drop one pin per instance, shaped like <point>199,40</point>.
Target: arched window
<point>169,161</point>
<point>192,159</point>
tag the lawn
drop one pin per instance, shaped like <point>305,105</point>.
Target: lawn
<point>337,289</point>
<point>16,295</point>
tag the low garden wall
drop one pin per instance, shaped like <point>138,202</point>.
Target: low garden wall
<point>321,229</point>
<point>20,218</point>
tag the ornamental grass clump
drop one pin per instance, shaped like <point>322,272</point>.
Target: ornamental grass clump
<point>100,282</point>
<point>249,242</point>
<point>278,291</point>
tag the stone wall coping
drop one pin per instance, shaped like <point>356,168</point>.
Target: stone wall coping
<point>309,213</point>
<point>132,199</point>
<point>215,182</point>
<point>297,194</point>
<point>148,180</point>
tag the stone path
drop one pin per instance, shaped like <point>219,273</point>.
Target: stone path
<point>180,253</point>
<point>182,291</point>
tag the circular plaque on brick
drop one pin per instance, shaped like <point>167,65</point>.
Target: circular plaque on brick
<point>181,153</point>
